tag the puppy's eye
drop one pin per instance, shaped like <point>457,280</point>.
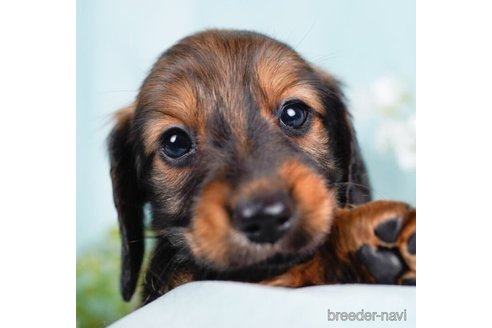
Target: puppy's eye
<point>176,143</point>
<point>293,114</point>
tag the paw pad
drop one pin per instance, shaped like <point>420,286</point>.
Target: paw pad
<point>412,247</point>
<point>382,256</point>
<point>388,230</point>
<point>409,282</point>
<point>383,264</point>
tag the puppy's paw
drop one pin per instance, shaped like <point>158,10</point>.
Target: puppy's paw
<point>379,238</point>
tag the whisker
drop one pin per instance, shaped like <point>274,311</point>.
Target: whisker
<point>367,188</point>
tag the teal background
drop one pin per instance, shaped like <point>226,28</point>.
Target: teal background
<point>118,41</point>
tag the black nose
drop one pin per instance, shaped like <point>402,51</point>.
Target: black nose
<point>264,220</point>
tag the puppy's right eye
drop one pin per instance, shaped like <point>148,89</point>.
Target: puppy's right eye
<point>176,143</point>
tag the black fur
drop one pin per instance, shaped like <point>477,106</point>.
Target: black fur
<point>129,201</point>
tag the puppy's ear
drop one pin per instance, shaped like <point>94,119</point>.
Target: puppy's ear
<point>354,187</point>
<point>128,199</point>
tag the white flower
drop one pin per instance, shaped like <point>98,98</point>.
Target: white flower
<point>385,96</point>
<point>398,136</point>
<point>387,92</point>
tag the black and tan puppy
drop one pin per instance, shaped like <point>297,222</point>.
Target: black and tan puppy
<point>248,159</point>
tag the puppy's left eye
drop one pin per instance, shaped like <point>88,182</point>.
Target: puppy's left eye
<point>294,114</point>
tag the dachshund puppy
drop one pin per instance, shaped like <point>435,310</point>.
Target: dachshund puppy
<point>248,160</point>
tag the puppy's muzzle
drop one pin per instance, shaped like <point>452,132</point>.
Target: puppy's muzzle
<point>264,219</point>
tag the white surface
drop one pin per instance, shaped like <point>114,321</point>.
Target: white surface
<point>232,304</point>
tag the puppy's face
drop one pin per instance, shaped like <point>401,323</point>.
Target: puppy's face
<point>238,144</point>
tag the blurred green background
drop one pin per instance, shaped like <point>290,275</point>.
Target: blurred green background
<point>370,45</point>
<point>98,302</point>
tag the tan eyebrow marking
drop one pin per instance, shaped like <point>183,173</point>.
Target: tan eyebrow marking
<point>153,130</point>
<point>307,95</point>
<point>177,105</point>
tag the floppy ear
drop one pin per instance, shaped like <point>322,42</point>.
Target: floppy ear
<point>353,179</point>
<point>128,199</point>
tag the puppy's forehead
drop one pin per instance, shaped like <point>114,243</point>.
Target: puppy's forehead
<point>226,72</point>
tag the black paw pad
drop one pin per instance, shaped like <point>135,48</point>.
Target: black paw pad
<point>409,282</point>
<point>388,230</point>
<point>412,244</point>
<point>383,264</point>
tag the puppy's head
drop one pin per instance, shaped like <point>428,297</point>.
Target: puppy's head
<point>242,149</point>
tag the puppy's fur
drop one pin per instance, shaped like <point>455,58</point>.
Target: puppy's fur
<point>225,90</point>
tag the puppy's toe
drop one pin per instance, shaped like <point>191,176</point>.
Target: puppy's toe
<point>407,241</point>
<point>409,279</point>
<point>388,231</point>
<point>383,264</point>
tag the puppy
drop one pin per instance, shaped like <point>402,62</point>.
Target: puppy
<point>248,159</point>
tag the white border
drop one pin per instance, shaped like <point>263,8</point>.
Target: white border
<point>37,172</point>
<point>37,175</point>
<point>454,136</point>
